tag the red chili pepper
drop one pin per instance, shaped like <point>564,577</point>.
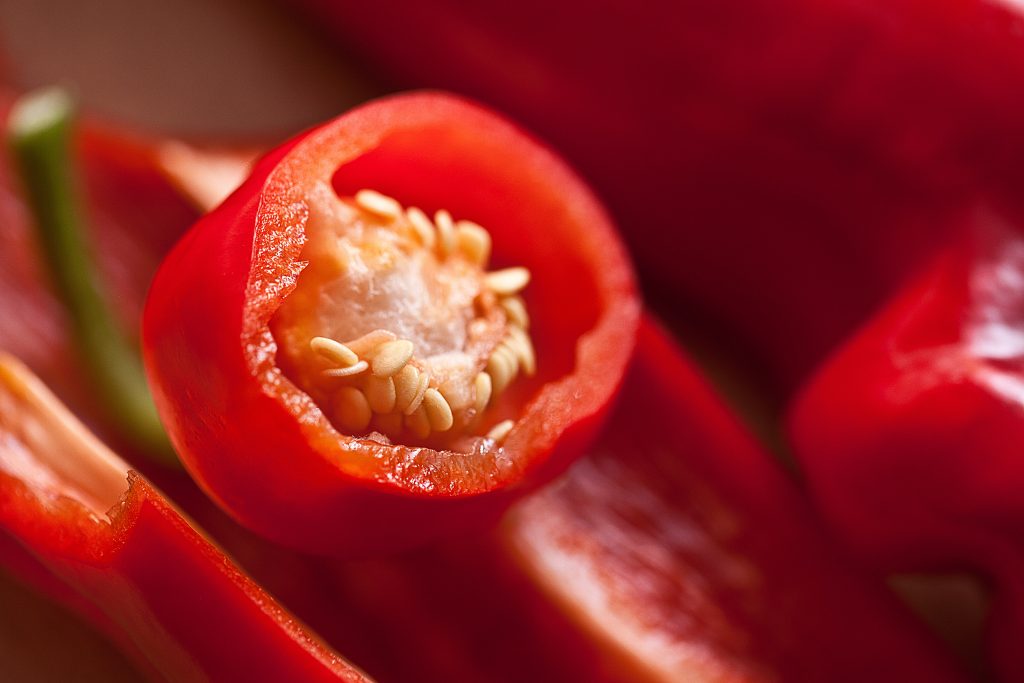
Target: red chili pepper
<point>747,148</point>
<point>228,386</point>
<point>910,436</point>
<point>680,545</point>
<point>149,579</point>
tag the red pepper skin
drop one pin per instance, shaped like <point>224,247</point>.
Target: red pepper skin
<point>679,543</point>
<point>156,584</point>
<point>910,435</point>
<point>747,147</point>
<point>262,449</point>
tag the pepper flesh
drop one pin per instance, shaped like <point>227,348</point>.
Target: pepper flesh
<point>910,434</point>
<point>76,513</point>
<point>257,444</point>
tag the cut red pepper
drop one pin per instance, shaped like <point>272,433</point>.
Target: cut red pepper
<point>773,164</point>
<point>302,462</point>
<point>85,525</point>
<point>910,436</point>
<point>680,545</point>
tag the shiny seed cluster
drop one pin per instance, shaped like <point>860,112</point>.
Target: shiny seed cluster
<point>381,382</point>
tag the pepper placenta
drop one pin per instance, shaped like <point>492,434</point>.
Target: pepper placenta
<point>910,435</point>
<point>338,370</point>
<point>81,522</point>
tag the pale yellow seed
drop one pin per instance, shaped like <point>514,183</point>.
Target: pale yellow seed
<point>515,310</point>
<point>500,370</point>
<point>507,281</point>
<point>369,341</point>
<point>407,384</point>
<point>506,349</point>
<point>474,241</point>
<point>421,391</point>
<point>511,358</point>
<point>421,225</point>
<point>390,357</point>
<point>380,392</point>
<point>361,366</point>
<point>333,351</point>
<point>482,383</point>
<point>500,431</point>
<point>523,346</point>
<point>380,204</point>
<point>418,423</point>
<point>438,411</point>
<point>352,410</point>
<point>445,233</point>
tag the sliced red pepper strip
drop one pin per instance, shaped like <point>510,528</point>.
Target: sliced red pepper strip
<point>154,582</point>
<point>681,546</point>
<point>264,449</point>
<point>910,435</point>
<point>746,149</point>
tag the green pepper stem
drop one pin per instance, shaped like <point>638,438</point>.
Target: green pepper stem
<point>39,133</point>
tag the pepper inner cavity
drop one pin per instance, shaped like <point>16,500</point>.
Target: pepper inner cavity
<point>395,326</point>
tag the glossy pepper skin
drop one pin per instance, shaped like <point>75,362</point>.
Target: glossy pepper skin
<point>910,435</point>
<point>680,545</point>
<point>262,449</point>
<point>141,572</point>
<point>745,147</point>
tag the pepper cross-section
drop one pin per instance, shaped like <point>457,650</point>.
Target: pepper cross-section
<point>404,320</point>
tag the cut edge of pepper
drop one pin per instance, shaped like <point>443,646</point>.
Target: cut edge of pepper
<point>63,475</point>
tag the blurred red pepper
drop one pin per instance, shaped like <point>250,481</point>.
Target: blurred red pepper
<point>775,165</point>
<point>263,449</point>
<point>910,435</point>
<point>681,546</point>
<point>136,566</point>
<point>125,189</point>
